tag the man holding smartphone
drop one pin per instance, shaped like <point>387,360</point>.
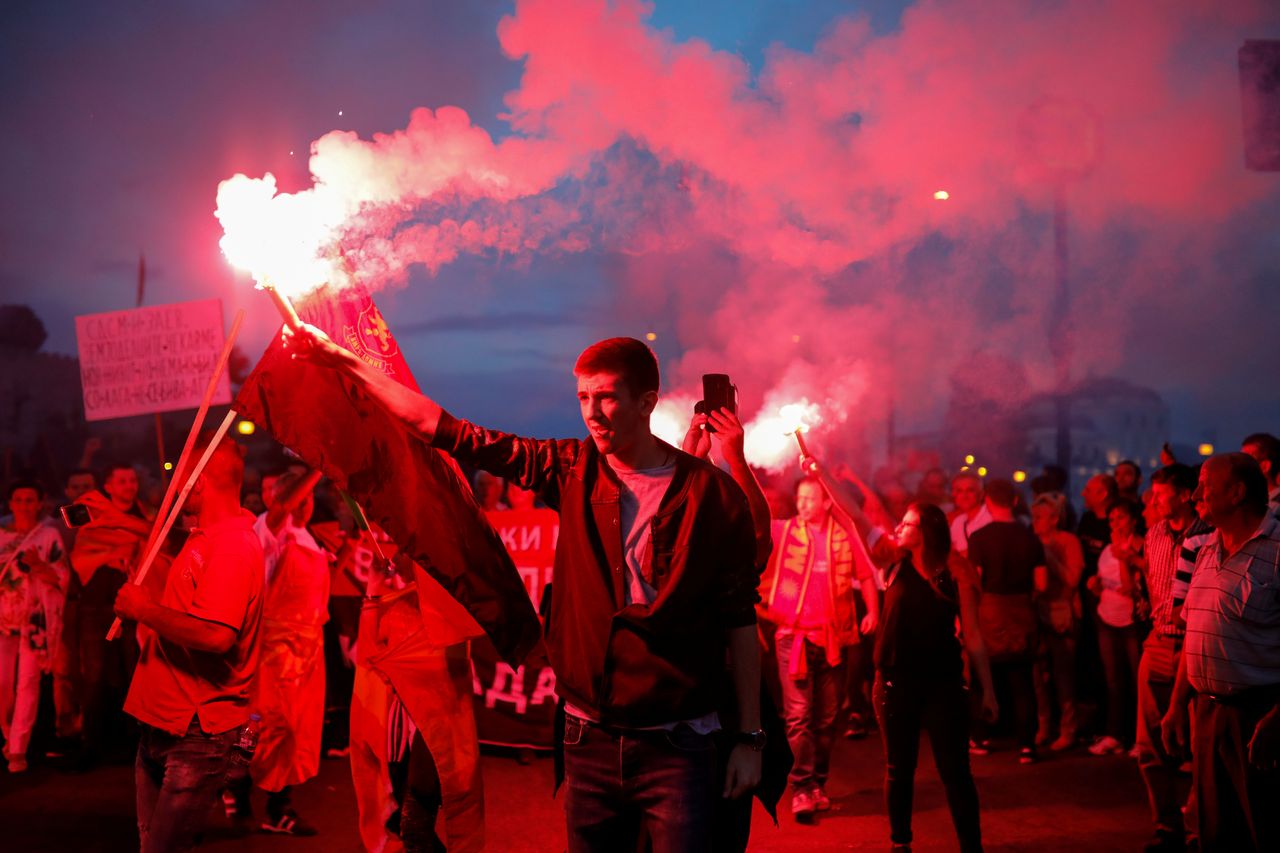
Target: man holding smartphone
<point>654,583</point>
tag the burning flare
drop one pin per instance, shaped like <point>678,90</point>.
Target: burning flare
<point>771,437</point>
<point>284,240</point>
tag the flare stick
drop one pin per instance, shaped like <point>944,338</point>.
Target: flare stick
<point>175,511</point>
<point>284,306</point>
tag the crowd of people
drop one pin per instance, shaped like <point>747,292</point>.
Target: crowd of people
<point>689,601</point>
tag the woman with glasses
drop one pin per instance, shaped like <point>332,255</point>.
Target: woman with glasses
<point>919,684</point>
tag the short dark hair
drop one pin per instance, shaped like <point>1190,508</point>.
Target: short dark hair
<point>1137,469</point>
<point>1243,468</point>
<point>113,467</point>
<point>1131,508</point>
<point>1002,493</point>
<point>24,483</point>
<point>1057,475</point>
<point>934,531</point>
<point>225,468</point>
<point>1270,447</point>
<point>629,358</point>
<point>811,479</point>
<point>1179,476</point>
<point>80,472</point>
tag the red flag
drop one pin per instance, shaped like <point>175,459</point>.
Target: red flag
<point>414,492</point>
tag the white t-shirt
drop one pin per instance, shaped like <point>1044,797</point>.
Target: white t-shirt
<point>273,544</point>
<point>638,502</point>
<point>1115,607</point>
<point>641,495</point>
<point>963,527</point>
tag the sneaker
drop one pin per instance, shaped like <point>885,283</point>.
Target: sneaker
<point>1135,753</point>
<point>803,806</point>
<point>1027,756</point>
<point>17,763</point>
<point>235,810</point>
<point>821,802</point>
<point>1064,741</point>
<point>288,824</point>
<point>1106,745</point>
<point>857,729</point>
<point>979,747</point>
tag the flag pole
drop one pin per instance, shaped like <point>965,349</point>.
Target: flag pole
<point>176,510</point>
<point>196,425</point>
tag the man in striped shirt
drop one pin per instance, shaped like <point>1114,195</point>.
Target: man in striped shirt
<point>1169,558</point>
<point>1231,659</point>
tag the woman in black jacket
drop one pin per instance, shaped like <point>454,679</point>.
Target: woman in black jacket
<point>920,673</point>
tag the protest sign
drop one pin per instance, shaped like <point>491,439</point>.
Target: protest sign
<point>147,360</point>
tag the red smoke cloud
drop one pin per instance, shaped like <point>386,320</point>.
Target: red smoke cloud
<point>786,219</point>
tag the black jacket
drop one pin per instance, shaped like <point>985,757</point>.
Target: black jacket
<point>631,665</point>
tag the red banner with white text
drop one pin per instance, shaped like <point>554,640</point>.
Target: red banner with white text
<point>515,705</point>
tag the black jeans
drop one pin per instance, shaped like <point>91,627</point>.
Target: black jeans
<point>619,782</point>
<point>905,707</point>
<point>1015,680</point>
<point>106,667</point>
<point>178,779</point>
<point>1120,650</point>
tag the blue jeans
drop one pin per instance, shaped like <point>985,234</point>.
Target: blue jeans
<point>178,779</point>
<point>809,706</point>
<point>619,782</point>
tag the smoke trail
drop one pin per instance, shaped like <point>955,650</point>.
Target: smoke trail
<point>787,219</point>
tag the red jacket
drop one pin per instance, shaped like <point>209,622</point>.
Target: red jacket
<point>631,665</point>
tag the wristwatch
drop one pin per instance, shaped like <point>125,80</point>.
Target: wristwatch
<point>756,739</point>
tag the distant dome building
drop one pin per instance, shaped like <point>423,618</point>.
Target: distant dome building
<point>1111,420</point>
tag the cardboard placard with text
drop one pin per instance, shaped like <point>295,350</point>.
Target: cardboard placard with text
<point>148,360</point>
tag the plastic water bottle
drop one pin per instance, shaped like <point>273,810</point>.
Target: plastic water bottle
<point>247,742</point>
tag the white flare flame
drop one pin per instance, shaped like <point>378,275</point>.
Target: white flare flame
<point>285,239</point>
<point>770,443</point>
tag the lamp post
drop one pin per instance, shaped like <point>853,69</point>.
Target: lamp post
<point>1061,139</point>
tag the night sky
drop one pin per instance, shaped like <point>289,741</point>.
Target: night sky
<point>121,119</point>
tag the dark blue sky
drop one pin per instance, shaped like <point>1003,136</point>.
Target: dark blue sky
<point>120,120</point>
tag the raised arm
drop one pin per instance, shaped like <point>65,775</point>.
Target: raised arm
<point>849,515</point>
<point>284,504</point>
<point>729,440</point>
<point>419,413</point>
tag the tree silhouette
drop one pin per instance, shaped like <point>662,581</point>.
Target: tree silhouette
<point>21,329</point>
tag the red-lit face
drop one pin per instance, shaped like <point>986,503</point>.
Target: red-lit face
<point>79,484</point>
<point>25,506</point>
<point>812,504</point>
<point>1126,478</point>
<point>1044,519</point>
<point>122,486</point>
<point>907,533</point>
<point>1096,495</point>
<point>1122,525</point>
<point>1255,450</point>
<point>1169,500</point>
<point>967,494</point>
<point>616,419</point>
<point>1216,497</point>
